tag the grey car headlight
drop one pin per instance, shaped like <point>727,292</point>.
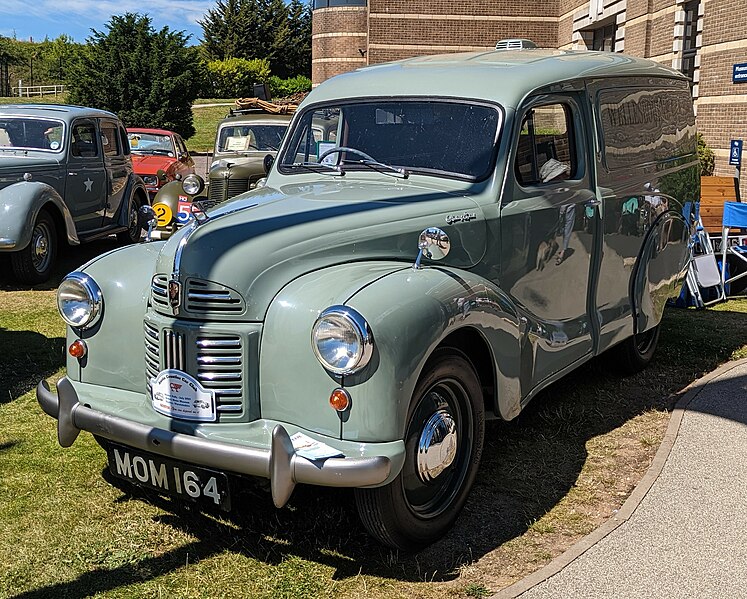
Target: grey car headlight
<point>79,300</point>
<point>193,184</point>
<point>150,180</point>
<point>342,340</point>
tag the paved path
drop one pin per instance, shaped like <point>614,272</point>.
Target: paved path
<point>683,532</point>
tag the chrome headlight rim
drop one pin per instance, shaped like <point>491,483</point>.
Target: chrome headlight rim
<point>95,300</point>
<point>151,180</point>
<point>359,327</point>
<point>193,184</point>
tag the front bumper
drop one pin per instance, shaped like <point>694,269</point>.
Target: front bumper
<point>279,463</point>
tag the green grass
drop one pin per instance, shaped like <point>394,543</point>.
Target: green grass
<point>61,99</point>
<point>547,478</point>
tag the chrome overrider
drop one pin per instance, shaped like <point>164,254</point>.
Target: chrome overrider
<point>279,463</point>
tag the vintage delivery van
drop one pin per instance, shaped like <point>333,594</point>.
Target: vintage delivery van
<point>478,226</point>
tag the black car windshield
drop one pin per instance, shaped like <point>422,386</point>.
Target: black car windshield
<point>448,138</point>
<point>21,133</point>
<point>244,137</point>
<point>151,143</point>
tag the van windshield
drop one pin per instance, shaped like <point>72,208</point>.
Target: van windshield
<point>439,137</point>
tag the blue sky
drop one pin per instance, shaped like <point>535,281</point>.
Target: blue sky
<point>39,18</point>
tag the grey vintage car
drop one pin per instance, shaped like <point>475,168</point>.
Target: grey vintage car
<point>65,175</point>
<point>477,227</point>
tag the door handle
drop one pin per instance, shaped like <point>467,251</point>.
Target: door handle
<point>594,202</point>
<point>71,174</point>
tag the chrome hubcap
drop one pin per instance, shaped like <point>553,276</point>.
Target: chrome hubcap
<point>40,247</point>
<point>437,446</point>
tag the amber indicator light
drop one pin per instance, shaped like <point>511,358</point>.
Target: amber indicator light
<point>339,400</point>
<point>77,349</point>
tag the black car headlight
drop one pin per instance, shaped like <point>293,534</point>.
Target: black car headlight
<point>342,340</point>
<point>79,300</point>
<point>151,180</point>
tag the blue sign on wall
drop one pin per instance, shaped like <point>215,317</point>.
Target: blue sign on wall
<point>740,73</point>
<point>735,153</point>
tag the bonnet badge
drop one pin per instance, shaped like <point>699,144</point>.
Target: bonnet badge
<point>175,295</point>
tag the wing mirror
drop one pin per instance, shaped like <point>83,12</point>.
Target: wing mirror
<point>268,161</point>
<point>146,217</point>
<point>434,244</point>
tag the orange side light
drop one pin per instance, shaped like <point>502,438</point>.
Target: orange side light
<point>339,400</point>
<point>78,349</point>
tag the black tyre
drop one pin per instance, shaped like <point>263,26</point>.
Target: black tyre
<point>34,263</point>
<point>636,352</point>
<point>134,230</point>
<point>443,444</point>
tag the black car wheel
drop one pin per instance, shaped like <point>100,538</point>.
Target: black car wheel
<point>35,262</point>
<point>443,445</point>
<point>134,230</point>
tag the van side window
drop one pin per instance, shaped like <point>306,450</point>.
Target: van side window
<point>545,152</point>
<point>110,139</point>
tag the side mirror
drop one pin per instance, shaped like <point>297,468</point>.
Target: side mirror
<point>434,244</point>
<point>268,161</point>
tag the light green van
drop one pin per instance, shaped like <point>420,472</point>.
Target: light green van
<point>473,227</point>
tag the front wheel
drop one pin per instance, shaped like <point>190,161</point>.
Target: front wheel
<point>34,263</point>
<point>443,445</point>
<point>134,230</point>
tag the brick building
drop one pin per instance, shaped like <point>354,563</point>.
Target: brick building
<point>702,38</point>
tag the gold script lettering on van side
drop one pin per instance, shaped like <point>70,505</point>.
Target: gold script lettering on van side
<point>460,218</point>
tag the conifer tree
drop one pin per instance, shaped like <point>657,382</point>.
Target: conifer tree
<point>149,78</point>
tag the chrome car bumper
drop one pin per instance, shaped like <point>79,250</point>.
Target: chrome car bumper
<point>279,463</point>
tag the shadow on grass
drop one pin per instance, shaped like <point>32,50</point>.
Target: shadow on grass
<point>27,357</point>
<point>68,259</point>
<point>529,465</point>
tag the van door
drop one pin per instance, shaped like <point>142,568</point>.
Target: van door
<point>117,169</point>
<point>85,184</point>
<point>549,224</point>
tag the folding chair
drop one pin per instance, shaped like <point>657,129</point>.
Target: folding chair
<point>703,280</point>
<point>735,216</point>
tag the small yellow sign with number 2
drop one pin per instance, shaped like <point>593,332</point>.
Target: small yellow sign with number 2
<point>163,214</point>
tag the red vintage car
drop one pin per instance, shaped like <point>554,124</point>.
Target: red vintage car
<point>158,149</point>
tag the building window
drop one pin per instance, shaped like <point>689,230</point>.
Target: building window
<point>329,3</point>
<point>604,38</point>
<point>689,48</point>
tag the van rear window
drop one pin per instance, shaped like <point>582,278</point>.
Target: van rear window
<point>641,126</point>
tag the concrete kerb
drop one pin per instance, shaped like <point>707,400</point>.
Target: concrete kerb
<point>633,501</point>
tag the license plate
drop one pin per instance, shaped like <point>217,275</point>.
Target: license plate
<point>169,476</point>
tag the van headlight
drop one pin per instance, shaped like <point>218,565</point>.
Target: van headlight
<point>342,340</point>
<point>79,300</point>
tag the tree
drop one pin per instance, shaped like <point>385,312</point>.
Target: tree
<point>149,78</point>
<point>264,29</point>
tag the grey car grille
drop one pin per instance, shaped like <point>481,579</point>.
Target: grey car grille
<point>201,297</point>
<point>216,360</point>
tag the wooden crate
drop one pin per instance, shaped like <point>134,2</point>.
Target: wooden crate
<point>714,191</point>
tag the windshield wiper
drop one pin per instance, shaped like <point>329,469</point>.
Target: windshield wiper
<point>332,169</point>
<point>386,169</point>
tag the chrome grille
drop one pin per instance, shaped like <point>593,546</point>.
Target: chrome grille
<point>159,288</point>
<point>152,353</point>
<point>219,363</point>
<point>205,296</point>
<point>173,345</point>
<point>219,367</point>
